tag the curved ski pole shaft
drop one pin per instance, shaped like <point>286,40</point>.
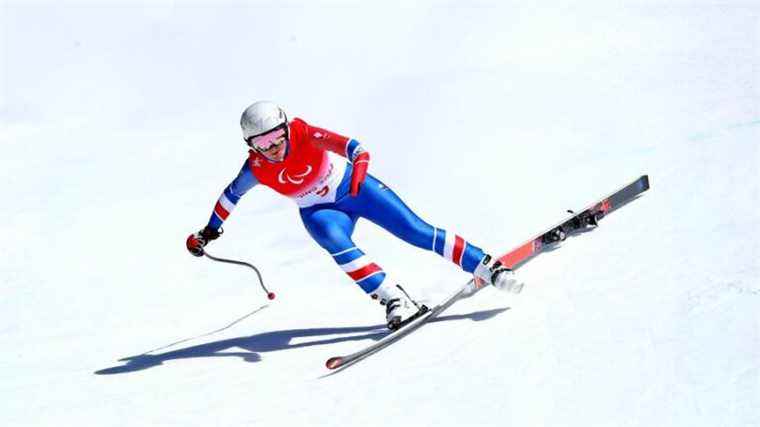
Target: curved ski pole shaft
<point>270,295</point>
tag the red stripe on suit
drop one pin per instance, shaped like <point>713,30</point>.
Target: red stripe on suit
<point>219,209</point>
<point>458,250</point>
<point>365,271</point>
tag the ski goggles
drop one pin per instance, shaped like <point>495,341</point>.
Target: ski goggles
<point>265,141</point>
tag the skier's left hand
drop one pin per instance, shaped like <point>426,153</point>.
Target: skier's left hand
<point>197,241</point>
<point>361,163</point>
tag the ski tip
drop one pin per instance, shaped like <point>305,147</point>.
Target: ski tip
<point>334,362</point>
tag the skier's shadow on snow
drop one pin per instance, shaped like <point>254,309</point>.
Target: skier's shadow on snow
<point>251,346</point>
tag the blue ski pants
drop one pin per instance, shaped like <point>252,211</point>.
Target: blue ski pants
<point>331,225</point>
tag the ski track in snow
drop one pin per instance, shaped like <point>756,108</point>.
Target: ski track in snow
<point>120,132</point>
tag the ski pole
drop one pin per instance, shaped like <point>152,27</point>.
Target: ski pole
<point>270,295</point>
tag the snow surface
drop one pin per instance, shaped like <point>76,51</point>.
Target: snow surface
<point>119,131</point>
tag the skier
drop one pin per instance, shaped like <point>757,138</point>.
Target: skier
<point>300,161</point>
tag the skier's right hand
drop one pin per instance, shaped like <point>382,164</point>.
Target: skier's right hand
<point>197,241</point>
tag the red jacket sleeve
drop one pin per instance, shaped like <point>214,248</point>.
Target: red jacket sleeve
<point>329,140</point>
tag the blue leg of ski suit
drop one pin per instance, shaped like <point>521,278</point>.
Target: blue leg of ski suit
<point>332,225</point>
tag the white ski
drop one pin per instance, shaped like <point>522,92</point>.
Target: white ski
<point>576,222</point>
<point>341,362</point>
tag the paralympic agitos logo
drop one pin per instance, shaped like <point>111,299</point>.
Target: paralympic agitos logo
<point>295,179</point>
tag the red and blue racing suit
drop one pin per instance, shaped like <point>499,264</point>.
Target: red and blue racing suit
<point>318,181</point>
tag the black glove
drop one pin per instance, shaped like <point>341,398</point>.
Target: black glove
<point>197,241</point>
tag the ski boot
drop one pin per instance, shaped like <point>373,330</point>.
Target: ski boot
<point>399,308</point>
<point>494,273</point>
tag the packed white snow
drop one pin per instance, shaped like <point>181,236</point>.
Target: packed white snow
<point>118,128</point>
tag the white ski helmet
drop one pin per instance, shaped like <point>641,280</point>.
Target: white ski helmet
<point>262,117</point>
